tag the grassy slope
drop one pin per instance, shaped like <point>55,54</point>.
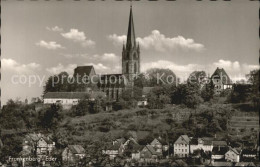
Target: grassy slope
<point>107,126</point>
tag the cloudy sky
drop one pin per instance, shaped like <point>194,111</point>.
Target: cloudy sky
<point>42,38</point>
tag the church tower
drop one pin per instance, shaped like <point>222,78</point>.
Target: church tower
<point>131,53</point>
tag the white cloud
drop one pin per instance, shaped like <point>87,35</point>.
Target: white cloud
<point>99,68</point>
<point>61,68</point>
<point>235,70</point>
<point>77,55</point>
<point>117,40</point>
<point>52,45</point>
<point>182,71</point>
<point>159,42</point>
<point>107,57</point>
<point>77,36</point>
<point>12,65</point>
<point>55,29</point>
<point>228,65</point>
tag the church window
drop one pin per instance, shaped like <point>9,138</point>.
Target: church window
<point>135,56</point>
<point>127,68</point>
<point>135,68</point>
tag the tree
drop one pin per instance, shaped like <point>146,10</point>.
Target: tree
<point>207,92</point>
<point>57,83</point>
<point>198,77</point>
<point>160,76</point>
<point>159,96</point>
<point>82,108</point>
<point>253,78</point>
<point>188,94</point>
<point>51,117</point>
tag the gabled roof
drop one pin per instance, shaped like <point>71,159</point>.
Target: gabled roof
<point>219,143</point>
<point>35,137</point>
<point>83,70</point>
<point>249,151</point>
<point>76,149</point>
<point>151,149</point>
<point>219,150</point>
<point>120,140</point>
<point>160,140</point>
<point>72,95</point>
<point>183,139</point>
<point>136,148</point>
<point>115,146</point>
<point>221,73</point>
<point>179,162</point>
<point>234,150</point>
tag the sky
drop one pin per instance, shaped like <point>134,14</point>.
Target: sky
<point>43,38</point>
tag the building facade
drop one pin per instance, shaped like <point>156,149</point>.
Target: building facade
<point>114,84</point>
<point>181,146</point>
<point>221,80</point>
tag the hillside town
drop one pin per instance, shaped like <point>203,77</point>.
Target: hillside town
<point>185,151</point>
<point>134,118</point>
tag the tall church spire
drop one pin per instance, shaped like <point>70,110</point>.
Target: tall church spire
<point>131,31</point>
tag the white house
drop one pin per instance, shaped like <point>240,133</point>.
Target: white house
<point>69,98</point>
<point>221,80</point>
<point>72,154</point>
<point>233,155</point>
<point>181,146</point>
<point>204,144</point>
<point>218,153</point>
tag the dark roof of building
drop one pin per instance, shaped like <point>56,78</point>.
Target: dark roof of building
<point>194,141</point>
<point>120,140</point>
<point>220,163</point>
<point>249,151</point>
<point>219,143</point>
<point>219,150</point>
<point>136,148</point>
<point>72,95</point>
<point>179,162</point>
<point>221,73</point>
<point>235,150</point>
<point>76,149</point>
<point>114,146</point>
<point>35,137</point>
<point>245,164</point>
<point>83,70</point>
<point>130,42</point>
<point>151,149</point>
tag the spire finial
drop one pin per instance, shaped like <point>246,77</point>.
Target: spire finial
<point>130,3</point>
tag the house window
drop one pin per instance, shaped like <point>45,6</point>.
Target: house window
<point>185,150</point>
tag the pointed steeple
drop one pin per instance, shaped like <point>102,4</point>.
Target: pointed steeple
<point>131,32</point>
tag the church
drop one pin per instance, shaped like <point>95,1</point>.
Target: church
<point>113,85</point>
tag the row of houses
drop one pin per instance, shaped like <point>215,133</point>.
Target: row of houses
<point>218,150</point>
<point>130,147</point>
